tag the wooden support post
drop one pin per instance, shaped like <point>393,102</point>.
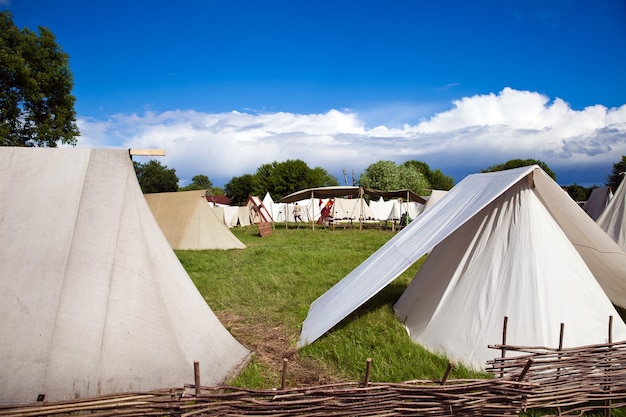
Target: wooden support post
<point>610,329</point>
<point>447,373</point>
<point>196,376</point>
<point>283,383</point>
<point>561,336</point>
<point>368,366</point>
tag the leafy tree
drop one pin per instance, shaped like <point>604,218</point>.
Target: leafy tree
<point>437,179</point>
<point>578,192</point>
<point>217,191</point>
<point>517,163</point>
<point>284,178</point>
<point>239,188</point>
<point>155,178</point>
<point>199,182</point>
<point>615,178</point>
<point>387,176</point>
<point>36,105</point>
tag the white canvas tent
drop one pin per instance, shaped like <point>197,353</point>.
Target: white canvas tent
<point>435,195</point>
<point>352,209</point>
<point>597,201</point>
<point>508,243</point>
<point>188,222</point>
<point>92,298</point>
<point>613,218</point>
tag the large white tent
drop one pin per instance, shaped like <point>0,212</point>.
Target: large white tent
<point>188,221</point>
<point>613,218</point>
<point>93,300</point>
<point>509,243</point>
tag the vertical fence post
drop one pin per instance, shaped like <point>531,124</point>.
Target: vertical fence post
<point>447,373</point>
<point>607,403</point>
<point>196,376</point>
<point>503,350</point>
<point>368,366</point>
<point>283,383</point>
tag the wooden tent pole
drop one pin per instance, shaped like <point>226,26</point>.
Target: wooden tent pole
<point>313,209</point>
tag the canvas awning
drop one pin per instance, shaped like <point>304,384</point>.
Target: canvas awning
<point>407,195</point>
<point>323,192</point>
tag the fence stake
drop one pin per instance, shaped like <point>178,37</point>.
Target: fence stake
<point>196,376</point>
<point>368,365</point>
<point>561,336</point>
<point>525,370</point>
<point>503,351</point>
<point>447,373</point>
<point>283,384</point>
<point>610,329</point>
<point>504,326</point>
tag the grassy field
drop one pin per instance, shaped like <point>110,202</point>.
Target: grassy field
<point>262,294</point>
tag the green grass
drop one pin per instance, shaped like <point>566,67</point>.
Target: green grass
<point>273,281</point>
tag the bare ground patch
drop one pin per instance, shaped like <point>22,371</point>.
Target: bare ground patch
<point>271,343</point>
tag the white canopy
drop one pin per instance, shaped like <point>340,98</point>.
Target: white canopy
<point>93,300</point>
<point>455,223</point>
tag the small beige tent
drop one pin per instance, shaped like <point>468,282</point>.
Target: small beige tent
<point>93,300</point>
<point>188,221</point>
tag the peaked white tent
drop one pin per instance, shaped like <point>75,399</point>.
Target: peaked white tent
<point>92,298</point>
<point>435,195</point>
<point>188,222</point>
<point>613,218</point>
<point>508,243</point>
<point>597,201</point>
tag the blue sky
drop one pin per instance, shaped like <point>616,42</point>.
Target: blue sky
<point>225,86</point>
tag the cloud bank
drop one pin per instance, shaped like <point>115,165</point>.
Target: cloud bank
<point>477,131</point>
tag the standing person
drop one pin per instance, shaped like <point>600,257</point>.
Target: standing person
<point>296,213</point>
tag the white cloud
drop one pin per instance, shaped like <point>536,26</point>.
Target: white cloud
<point>476,132</point>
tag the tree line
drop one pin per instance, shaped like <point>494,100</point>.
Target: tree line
<point>283,178</point>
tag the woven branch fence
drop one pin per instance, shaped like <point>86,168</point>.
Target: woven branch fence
<point>570,381</point>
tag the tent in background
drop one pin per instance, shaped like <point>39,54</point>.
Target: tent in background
<point>483,267</point>
<point>613,218</point>
<point>188,222</point>
<point>597,201</point>
<point>93,299</point>
<point>351,209</point>
<point>435,195</point>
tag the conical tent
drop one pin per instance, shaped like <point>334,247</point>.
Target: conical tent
<point>598,201</point>
<point>503,243</point>
<point>510,260</point>
<point>93,299</point>
<point>188,222</point>
<point>613,218</point>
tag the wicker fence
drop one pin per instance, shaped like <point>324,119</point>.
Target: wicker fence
<point>560,381</point>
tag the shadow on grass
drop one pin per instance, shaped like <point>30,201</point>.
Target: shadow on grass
<point>387,296</point>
